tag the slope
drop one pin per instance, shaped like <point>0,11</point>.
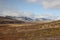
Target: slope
<point>41,31</point>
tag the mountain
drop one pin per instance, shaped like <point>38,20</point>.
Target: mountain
<point>14,19</point>
<point>24,18</point>
<point>9,19</point>
<point>28,19</point>
<point>43,19</point>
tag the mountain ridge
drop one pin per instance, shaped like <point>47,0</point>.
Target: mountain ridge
<point>24,19</point>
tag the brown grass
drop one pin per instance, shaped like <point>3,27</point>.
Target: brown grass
<point>41,31</point>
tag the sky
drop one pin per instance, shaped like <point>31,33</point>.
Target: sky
<point>30,8</point>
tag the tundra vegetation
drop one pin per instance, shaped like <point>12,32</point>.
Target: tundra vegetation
<point>29,31</point>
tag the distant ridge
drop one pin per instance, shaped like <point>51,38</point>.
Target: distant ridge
<point>8,19</point>
<point>13,19</point>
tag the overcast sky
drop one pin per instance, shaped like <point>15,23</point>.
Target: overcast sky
<point>30,8</point>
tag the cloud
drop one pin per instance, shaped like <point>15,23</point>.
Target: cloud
<point>10,10</point>
<point>27,14</point>
<point>10,13</point>
<point>46,15</point>
<point>58,18</point>
<point>55,4</point>
<point>47,4</point>
<point>16,13</point>
<point>33,1</point>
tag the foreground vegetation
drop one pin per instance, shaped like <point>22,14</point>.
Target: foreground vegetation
<point>41,31</point>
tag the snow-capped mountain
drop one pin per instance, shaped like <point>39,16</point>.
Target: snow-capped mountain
<point>42,19</point>
<point>28,19</point>
<point>24,18</point>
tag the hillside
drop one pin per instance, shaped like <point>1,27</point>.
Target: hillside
<point>9,20</point>
<point>37,31</point>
